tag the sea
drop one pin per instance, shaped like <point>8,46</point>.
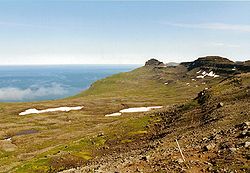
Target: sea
<point>49,82</point>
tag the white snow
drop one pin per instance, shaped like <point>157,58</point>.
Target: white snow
<point>210,74</point>
<point>8,139</point>
<point>201,77</point>
<point>113,114</point>
<point>166,83</point>
<point>131,110</point>
<point>187,83</point>
<point>64,109</point>
<point>140,109</point>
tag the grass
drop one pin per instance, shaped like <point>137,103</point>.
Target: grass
<point>78,130</point>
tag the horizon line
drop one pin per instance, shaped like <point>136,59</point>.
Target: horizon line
<point>60,64</point>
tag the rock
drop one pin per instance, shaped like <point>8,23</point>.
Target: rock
<point>216,137</point>
<point>105,147</point>
<point>203,96</point>
<point>208,163</point>
<point>154,62</point>
<point>220,105</point>
<point>209,147</point>
<point>246,125</point>
<point>233,149</point>
<point>100,134</point>
<point>209,61</point>
<point>179,160</point>
<point>205,139</point>
<point>145,158</point>
<point>244,133</point>
<point>247,144</point>
<point>226,145</point>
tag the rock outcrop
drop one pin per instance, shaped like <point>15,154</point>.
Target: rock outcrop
<point>154,62</point>
<point>218,64</point>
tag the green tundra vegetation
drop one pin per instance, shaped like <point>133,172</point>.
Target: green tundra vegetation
<point>55,141</point>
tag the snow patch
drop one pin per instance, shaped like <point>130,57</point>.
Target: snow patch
<point>139,109</point>
<point>204,74</point>
<point>64,109</point>
<point>8,139</point>
<point>131,110</point>
<point>200,77</point>
<point>113,114</point>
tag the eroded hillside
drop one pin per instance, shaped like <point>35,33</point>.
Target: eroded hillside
<point>206,108</point>
<point>212,130</point>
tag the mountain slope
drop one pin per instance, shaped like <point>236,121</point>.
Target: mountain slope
<point>213,131</point>
<point>53,142</point>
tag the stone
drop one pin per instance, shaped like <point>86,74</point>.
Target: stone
<point>244,133</point>
<point>220,105</point>
<point>209,146</point>
<point>246,124</point>
<point>247,144</point>
<point>100,134</point>
<point>180,160</point>
<point>208,163</point>
<point>233,149</point>
<point>145,158</point>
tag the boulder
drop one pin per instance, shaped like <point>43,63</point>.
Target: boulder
<point>209,147</point>
<point>220,105</point>
<point>247,144</point>
<point>244,133</point>
<point>145,158</point>
<point>154,62</point>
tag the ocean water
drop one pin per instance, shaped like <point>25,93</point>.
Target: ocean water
<point>34,83</point>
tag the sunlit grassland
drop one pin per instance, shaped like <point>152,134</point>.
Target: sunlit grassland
<point>76,132</point>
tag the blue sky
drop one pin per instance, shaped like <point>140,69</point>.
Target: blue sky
<point>79,32</point>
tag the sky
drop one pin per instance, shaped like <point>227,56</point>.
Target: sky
<point>111,32</point>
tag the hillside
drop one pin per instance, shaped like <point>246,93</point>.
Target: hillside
<point>205,107</point>
<point>212,131</point>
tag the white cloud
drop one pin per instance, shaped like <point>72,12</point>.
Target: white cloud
<point>213,26</point>
<point>12,93</point>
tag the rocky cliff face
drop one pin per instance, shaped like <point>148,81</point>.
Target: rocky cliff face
<point>219,64</point>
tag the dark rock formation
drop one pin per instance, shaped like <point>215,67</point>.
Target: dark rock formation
<point>154,62</point>
<point>218,64</point>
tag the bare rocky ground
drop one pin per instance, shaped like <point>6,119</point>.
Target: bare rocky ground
<point>213,131</point>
